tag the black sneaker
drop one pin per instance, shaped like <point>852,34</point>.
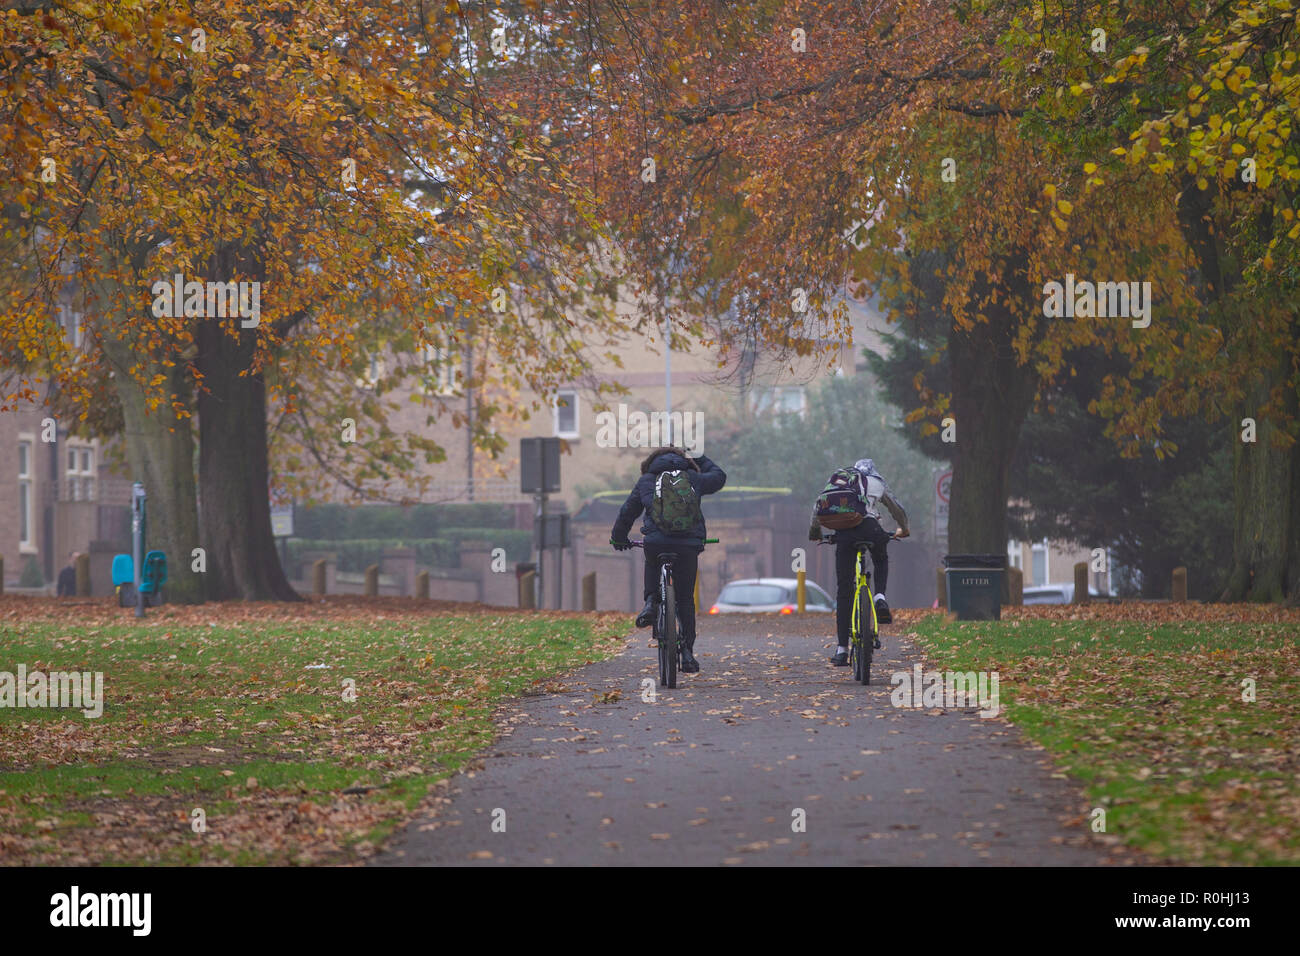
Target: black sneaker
<point>882,610</point>
<point>647,616</point>
<point>841,657</point>
<point>689,664</point>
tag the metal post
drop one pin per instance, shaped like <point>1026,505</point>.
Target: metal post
<point>538,593</point>
<point>668,377</point>
<point>137,543</point>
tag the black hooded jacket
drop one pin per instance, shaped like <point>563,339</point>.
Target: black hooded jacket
<point>705,477</point>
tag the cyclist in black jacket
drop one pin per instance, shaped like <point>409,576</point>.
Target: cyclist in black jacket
<point>705,478</point>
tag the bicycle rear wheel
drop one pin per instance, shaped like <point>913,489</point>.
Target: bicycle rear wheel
<point>866,636</point>
<point>668,638</point>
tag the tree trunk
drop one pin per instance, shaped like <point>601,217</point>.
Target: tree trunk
<point>160,449</point>
<point>1266,501</point>
<point>235,508</point>
<point>1266,473</point>
<point>991,395</point>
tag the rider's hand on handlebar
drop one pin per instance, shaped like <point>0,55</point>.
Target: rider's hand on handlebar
<point>902,533</point>
<point>624,545</point>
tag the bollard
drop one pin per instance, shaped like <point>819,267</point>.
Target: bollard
<point>801,589</point>
<point>1015,587</point>
<point>941,580</point>
<point>372,581</point>
<point>1080,583</point>
<point>318,577</point>
<point>422,585</point>
<point>1180,584</point>
<point>589,591</point>
<point>83,575</point>
<point>527,594</point>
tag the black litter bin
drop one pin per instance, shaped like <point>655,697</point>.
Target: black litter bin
<point>974,583</point>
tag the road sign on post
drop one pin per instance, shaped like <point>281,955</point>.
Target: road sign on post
<point>282,521</point>
<point>942,494</point>
<point>539,475</point>
<point>539,465</point>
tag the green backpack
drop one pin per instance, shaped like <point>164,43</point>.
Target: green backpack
<point>676,507</point>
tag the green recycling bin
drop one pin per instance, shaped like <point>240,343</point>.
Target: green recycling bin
<point>974,583</point>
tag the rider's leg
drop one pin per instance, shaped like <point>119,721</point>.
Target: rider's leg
<point>685,569</point>
<point>650,588</point>
<point>878,539</point>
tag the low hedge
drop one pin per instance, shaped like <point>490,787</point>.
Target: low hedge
<point>342,522</point>
<point>357,554</point>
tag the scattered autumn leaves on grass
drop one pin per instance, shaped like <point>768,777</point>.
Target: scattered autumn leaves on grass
<point>1180,719</point>
<point>236,709</point>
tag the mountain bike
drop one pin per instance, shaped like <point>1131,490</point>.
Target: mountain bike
<point>666,633</point>
<point>863,622</point>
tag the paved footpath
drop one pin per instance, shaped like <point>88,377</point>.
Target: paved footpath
<point>717,771</point>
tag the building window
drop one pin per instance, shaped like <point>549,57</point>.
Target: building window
<point>1040,562</point>
<point>786,400</point>
<point>25,504</point>
<point>1015,557</point>
<point>566,414</point>
<point>441,374</point>
<point>374,371</point>
<point>81,473</point>
<point>70,320</point>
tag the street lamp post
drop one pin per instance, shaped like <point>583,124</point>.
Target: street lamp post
<point>668,376</point>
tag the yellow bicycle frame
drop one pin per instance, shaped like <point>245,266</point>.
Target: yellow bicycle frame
<point>861,579</point>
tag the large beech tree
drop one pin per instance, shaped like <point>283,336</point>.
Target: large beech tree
<point>821,119</point>
<point>341,156</point>
<point>1202,97</point>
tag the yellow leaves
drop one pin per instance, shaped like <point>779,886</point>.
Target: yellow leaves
<point>1049,191</point>
<point>1065,206</point>
<point>1089,168</point>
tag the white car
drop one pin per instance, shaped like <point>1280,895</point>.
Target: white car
<point>778,595</point>
<point>1056,594</point>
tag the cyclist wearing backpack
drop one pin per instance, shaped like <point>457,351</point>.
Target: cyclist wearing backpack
<point>669,492</point>
<point>847,506</point>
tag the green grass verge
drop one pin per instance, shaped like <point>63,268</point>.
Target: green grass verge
<point>1151,718</point>
<point>229,720</point>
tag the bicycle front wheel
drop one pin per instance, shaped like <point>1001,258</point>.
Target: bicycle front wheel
<point>866,636</point>
<point>668,639</point>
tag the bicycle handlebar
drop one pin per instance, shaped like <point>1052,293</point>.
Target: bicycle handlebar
<point>641,544</point>
<point>831,539</point>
